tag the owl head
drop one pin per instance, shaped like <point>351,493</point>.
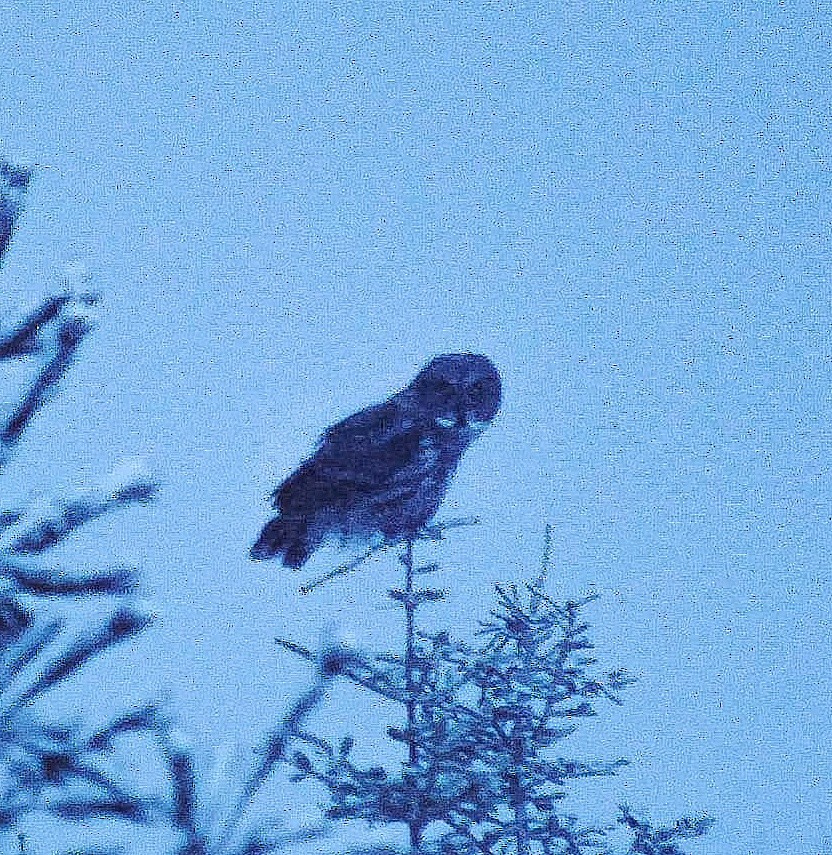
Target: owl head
<point>458,391</point>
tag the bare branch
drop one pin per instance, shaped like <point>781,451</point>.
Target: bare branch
<point>41,527</point>
<point>14,182</point>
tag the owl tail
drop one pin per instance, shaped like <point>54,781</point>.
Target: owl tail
<point>284,539</point>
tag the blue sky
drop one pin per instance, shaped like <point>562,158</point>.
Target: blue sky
<point>625,205</point>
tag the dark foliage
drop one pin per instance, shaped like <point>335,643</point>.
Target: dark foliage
<point>482,725</point>
<point>49,766</point>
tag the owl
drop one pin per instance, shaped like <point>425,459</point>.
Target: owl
<point>381,474</point>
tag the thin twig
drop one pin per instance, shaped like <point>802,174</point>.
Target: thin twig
<point>272,751</point>
<point>344,569</point>
<point>437,530</point>
<point>431,532</point>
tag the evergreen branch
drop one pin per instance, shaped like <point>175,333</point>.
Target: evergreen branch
<point>31,644</point>
<point>14,182</point>
<point>145,718</point>
<point>23,339</point>
<point>124,623</point>
<point>44,583</point>
<point>69,336</point>
<point>40,528</point>
<point>648,840</point>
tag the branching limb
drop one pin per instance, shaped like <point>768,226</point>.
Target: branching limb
<point>40,527</point>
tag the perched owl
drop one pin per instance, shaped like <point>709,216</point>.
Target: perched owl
<point>381,474</point>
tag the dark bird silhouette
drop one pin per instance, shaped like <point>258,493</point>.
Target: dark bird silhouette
<point>381,474</point>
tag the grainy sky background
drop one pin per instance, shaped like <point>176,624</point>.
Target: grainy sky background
<point>625,205</point>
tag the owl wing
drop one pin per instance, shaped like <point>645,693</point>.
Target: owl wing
<point>376,449</point>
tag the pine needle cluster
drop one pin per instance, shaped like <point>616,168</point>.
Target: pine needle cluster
<point>482,725</point>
